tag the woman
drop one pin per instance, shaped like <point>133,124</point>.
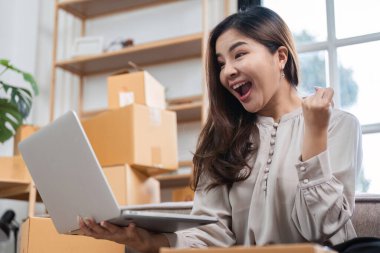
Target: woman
<point>271,166</point>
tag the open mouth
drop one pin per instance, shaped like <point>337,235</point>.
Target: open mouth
<point>242,88</point>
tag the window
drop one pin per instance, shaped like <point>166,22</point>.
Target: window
<point>338,43</point>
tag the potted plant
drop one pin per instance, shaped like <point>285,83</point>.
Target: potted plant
<point>15,102</point>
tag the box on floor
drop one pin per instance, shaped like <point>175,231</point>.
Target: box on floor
<point>38,235</point>
<point>136,87</point>
<point>138,135</point>
<point>280,248</point>
<point>132,187</point>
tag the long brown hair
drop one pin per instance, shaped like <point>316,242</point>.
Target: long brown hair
<point>230,136</point>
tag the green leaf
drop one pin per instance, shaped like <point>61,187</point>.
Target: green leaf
<point>29,78</point>
<point>4,62</point>
<point>20,97</point>
<point>8,114</point>
<point>17,104</point>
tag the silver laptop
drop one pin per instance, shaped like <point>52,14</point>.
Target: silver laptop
<point>71,182</point>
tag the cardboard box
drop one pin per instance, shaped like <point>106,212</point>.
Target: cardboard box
<point>279,248</point>
<point>22,133</point>
<point>141,136</point>
<point>137,87</point>
<point>182,194</point>
<point>131,187</point>
<point>38,235</point>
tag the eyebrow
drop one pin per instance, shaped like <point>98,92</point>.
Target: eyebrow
<point>233,46</point>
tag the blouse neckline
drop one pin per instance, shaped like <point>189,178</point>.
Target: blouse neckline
<point>285,117</point>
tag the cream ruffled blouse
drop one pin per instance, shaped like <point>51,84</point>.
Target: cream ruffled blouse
<point>285,200</point>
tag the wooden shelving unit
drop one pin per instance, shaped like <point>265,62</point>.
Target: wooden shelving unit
<point>15,181</point>
<point>145,54</point>
<point>155,52</point>
<point>172,180</point>
<point>88,9</point>
<point>162,51</point>
<point>188,108</point>
<point>175,180</point>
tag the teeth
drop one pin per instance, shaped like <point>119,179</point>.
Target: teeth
<point>238,85</point>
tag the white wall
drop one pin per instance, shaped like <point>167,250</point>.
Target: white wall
<point>18,31</point>
<point>18,42</point>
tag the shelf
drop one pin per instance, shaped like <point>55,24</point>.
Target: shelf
<point>144,54</point>
<point>174,180</point>
<point>187,109</point>
<point>84,9</point>
<point>182,164</point>
<point>15,181</point>
<point>16,191</point>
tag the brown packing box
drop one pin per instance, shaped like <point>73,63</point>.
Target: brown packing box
<point>138,135</point>
<point>131,187</point>
<point>280,248</point>
<point>38,235</point>
<point>137,87</point>
<point>22,133</point>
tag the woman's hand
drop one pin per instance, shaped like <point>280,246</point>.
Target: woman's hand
<point>316,111</point>
<point>133,237</point>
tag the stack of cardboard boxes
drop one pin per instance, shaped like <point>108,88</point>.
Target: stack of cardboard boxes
<point>136,138</point>
<point>133,140</point>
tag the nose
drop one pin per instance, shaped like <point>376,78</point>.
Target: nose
<point>230,71</point>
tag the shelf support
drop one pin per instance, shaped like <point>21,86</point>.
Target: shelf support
<point>32,199</point>
<point>81,77</point>
<point>54,60</point>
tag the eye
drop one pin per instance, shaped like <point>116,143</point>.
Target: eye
<point>240,54</point>
<point>221,65</point>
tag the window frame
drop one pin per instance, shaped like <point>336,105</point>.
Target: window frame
<point>331,45</point>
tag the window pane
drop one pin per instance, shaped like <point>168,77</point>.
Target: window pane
<point>307,25</point>
<point>313,71</point>
<point>360,81</point>
<point>369,180</point>
<point>353,18</point>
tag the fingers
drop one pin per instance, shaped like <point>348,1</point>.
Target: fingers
<point>90,228</point>
<point>83,227</point>
<point>131,231</point>
<point>110,228</point>
<point>326,93</point>
<point>106,230</point>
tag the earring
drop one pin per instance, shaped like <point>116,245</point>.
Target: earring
<point>282,74</point>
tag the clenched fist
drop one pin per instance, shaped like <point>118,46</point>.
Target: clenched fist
<point>316,112</point>
<point>316,109</point>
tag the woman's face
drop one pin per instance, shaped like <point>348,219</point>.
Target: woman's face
<point>248,70</point>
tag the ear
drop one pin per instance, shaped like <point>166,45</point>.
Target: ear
<point>282,56</point>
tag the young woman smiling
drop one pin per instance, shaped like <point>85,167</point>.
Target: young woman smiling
<point>271,166</point>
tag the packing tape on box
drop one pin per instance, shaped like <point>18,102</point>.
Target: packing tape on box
<point>126,98</point>
<point>155,116</point>
<point>156,157</point>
